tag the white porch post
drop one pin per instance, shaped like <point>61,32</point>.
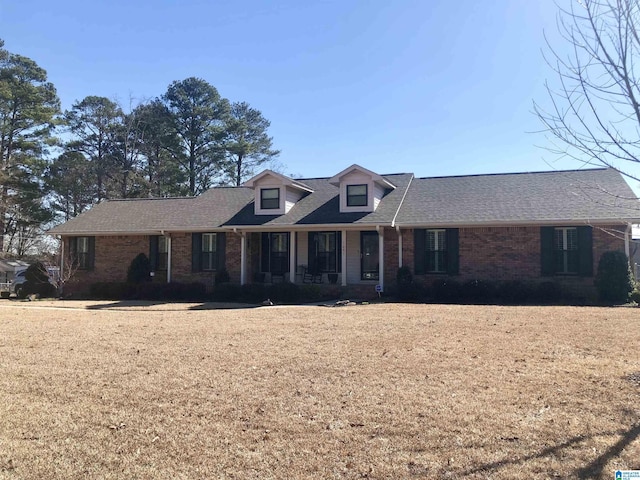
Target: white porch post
<point>168,237</point>
<point>381,256</point>
<point>243,258</point>
<point>343,253</point>
<point>292,257</point>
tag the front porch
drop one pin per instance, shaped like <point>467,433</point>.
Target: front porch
<point>327,257</point>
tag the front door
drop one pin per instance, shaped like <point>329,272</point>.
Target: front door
<point>369,260</point>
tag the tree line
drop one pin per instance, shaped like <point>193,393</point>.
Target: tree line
<point>56,164</point>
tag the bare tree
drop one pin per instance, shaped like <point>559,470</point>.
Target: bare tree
<point>594,111</point>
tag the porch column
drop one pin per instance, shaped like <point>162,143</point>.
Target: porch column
<point>243,258</point>
<point>343,253</point>
<point>292,257</point>
<point>168,237</point>
<point>381,256</point>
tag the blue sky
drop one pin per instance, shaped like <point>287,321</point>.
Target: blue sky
<point>432,87</point>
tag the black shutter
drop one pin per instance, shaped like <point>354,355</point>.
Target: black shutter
<point>265,253</point>
<point>547,264</point>
<point>91,261</point>
<point>221,247</point>
<point>73,248</point>
<point>585,252</point>
<point>419,251</point>
<point>196,252</point>
<point>453,251</point>
<point>339,252</point>
<point>286,260</point>
<point>153,252</point>
<point>312,252</point>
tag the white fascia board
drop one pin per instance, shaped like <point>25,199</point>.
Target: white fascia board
<point>520,223</point>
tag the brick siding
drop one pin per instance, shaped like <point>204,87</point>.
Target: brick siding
<point>513,253</point>
<point>487,253</point>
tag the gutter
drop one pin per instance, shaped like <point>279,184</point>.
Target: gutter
<point>393,222</point>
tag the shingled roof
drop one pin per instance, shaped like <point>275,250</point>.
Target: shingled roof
<point>573,196</point>
<point>563,197</point>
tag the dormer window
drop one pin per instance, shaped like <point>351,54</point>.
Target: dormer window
<point>361,190</point>
<point>275,194</point>
<point>269,198</point>
<point>357,195</point>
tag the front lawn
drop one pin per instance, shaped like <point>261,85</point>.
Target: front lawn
<point>372,391</point>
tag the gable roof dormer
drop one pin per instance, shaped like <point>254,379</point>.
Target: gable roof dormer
<point>360,189</point>
<point>275,194</point>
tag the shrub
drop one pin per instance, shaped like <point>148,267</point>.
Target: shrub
<point>548,292</point>
<point>226,292</point>
<point>112,291</point>
<point>36,273</point>
<point>37,281</point>
<point>253,293</point>
<point>478,291</point>
<point>413,292</point>
<point>404,277</point>
<point>515,292</point>
<point>446,291</point>
<point>285,292</point>
<point>222,276</point>
<point>140,269</point>
<point>635,295</point>
<point>613,280</point>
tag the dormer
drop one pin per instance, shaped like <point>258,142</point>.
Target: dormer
<point>275,194</point>
<point>360,189</point>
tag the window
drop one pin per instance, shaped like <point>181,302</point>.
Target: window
<point>357,195</point>
<point>565,246</point>
<point>436,251</point>
<point>209,251</point>
<point>275,252</point>
<point>324,252</point>
<point>82,252</point>
<point>566,251</point>
<point>270,198</point>
<point>163,252</point>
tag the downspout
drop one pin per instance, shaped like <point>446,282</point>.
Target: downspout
<point>380,256</point>
<point>393,222</point>
<point>399,232</point>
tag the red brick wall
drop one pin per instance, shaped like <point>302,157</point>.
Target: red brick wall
<point>487,253</point>
<point>513,253</point>
<point>113,255</point>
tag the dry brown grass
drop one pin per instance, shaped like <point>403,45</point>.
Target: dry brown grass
<point>377,391</point>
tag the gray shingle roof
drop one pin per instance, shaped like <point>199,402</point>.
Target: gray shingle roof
<point>553,197</point>
<point>546,197</point>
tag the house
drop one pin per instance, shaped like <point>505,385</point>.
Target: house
<point>358,227</point>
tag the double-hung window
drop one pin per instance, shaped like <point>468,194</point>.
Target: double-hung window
<point>357,195</point>
<point>565,246</point>
<point>436,251</point>
<point>279,252</point>
<point>326,253</point>
<point>209,251</point>
<point>83,253</point>
<point>269,198</point>
<point>163,252</point>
